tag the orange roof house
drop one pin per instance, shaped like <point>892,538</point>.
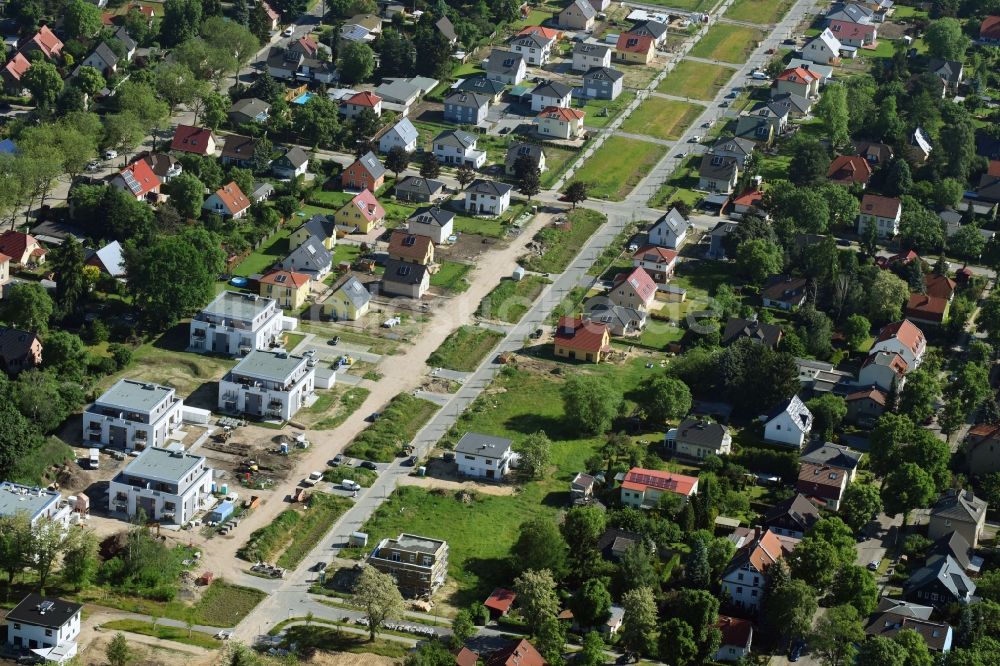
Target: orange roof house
<point>799,81</point>
<point>197,140</point>
<point>745,578</point>
<point>45,41</point>
<point>15,68</point>
<point>137,179</point>
<point>500,601</point>
<point>903,337</point>
<point>228,201</point>
<point>582,340</point>
<point>465,657</point>
<point>546,33</point>
<point>635,48</point>
<point>358,102</point>
<point>850,169</point>
<point>658,262</point>
<point>940,286</point>
<point>560,122</point>
<point>21,248</point>
<point>411,248</point>
<point>642,488</point>
<point>288,288</point>
<point>989,29</point>
<point>517,653</point>
<point>822,482</point>
<point>635,289</point>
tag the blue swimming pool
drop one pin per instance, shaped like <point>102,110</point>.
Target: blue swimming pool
<point>239,281</point>
<point>303,98</point>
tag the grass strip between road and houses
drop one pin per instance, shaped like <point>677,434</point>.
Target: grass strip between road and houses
<point>398,424</point>
<point>164,632</point>
<point>698,80</point>
<point>617,167</point>
<point>510,299</point>
<point>562,242</point>
<point>294,532</point>
<point>465,348</point>
<point>728,43</point>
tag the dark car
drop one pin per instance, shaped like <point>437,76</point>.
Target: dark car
<point>368,464</point>
<point>789,42</point>
<point>411,461</point>
<point>843,242</point>
<point>373,417</point>
<point>319,566</point>
<point>334,341</point>
<point>796,652</point>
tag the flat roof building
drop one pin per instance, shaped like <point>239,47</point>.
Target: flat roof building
<point>166,485</point>
<point>133,415</point>
<point>419,564</point>
<point>236,323</point>
<point>37,503</point>
<point>268,384</point>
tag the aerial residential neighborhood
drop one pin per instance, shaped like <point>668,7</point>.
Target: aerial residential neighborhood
<point>513,333</point>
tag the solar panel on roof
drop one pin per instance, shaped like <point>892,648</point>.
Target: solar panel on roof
<point>409,241</point>
<point>403,270</point>
<point>131,182</point>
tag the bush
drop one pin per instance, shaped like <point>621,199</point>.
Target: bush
<point>783,463</point>
<point>121,354</point>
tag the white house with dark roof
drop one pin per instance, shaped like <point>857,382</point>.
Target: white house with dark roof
<point>551,93</point>
<point>736,147</point>
<point>405,279</point>
<point>235,323</point>
<point>958,511</point>
<point>311,258</point>
<point>46,626</point>
<point>294,163</point>
<point>506,67</point>
<point>484,456</point>
<point>587,55</point>
<point>268,384</point>
<point>168,486</point>
<point>533,47</point>
<point>402,135</point>
<point>133,415</point>
<point>466,108</point>
<point>482,86</point>
<point>487,197</point>
<point>458,148</point>
<point>698,438</point>
<point>670,230</point>
<point>435,223</point>
<point>520,150</point>
<point>789,424</point>
<point>103,59</point>
<point>824,48</point>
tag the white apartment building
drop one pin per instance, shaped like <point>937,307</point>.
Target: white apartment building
<point>133,415</point>
<point>268,384</point>
<point>169,486</point>
<point>236,323</point>
<point>37,503</point>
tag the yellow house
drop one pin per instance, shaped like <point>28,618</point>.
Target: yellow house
<point>582,340</point>
<point>361,214</point>
<point>319,226</point>
<point>289,289</point>
<point>349,301</point>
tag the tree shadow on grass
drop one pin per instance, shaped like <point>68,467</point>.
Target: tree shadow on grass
<point>528,424</point>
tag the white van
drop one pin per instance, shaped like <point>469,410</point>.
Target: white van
<point>95,458</point>
<point>348,484</point>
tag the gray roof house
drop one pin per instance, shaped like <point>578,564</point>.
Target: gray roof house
<point>466,108</point>
<point>483,455</point>
<point>834,455</point>
<point>121,34</point>
<point>791,105</point>
<point>603,83</point>
<point>405,279</point>
<point>950,71</point>
<point>735,147</point>
<point>517,150</point>
<point>419,189</point>
<point>487,197</point>
<point>587,55</point>
<point>482,86</point>
<point>248,110</point>
<point>650,28</point>
<point>670,230</point>
<point>698,438</point>
<point>960,511</point>
<point>293,163</point>
<point>718,174</point>
<point>403,134</point>
<point>102,58</point>
<point>792,517</point>
<point>578,15</point>
<point>458,148</point>
<point>446,28</point>
<point>318,226</point>
<point>311,258</point>
<point>940,583</point>
<point>619,319</point>
<point>506,67</point>
<point>550,93</point>
<point>399,92</point>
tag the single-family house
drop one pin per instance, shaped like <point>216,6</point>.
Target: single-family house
<point>487,197</point>
<point>499,602</point>
<point>958,511</point>
<point>484,456</point>
<point>989,30</point>
<point>851,12</point>
<point>927,309</point>
<point>745,578</point>
<point>239,151</point>
<point>718,174</point>
<point>621,320</point>
<point>348,301</point>
<point>559,122</point>
<point>698,438</point>
<point>466,108</point>
<point>447,29</point>
<point>789,105</point>
<point>642,488</point>
<point>784,292</point>
<point>482,86</point>
<point>103,59</point>
<point>578,15</point>
<point>458,148</point>
<point>920,144</point>
<point>365,173</point>
<point>798,81</point>
<point>196,140</point>
<point>757,127</point>
<point>516,653</point>
<point>940,584</point>
<point>165,166</point>
<point>669,231</point>
<point>288,288</point>
<point>822,484</point>
<point>877,153</point>
<point>789,424</point>
<point>435,223</point>
<point>588,55</point>
<point>249,110</point>
<point>737,637</point>
<point>294,163</point>
<point>651,28</point>
<point>834,455</point>
<point>603,83</point>
<point>13,71</point>
<point>658,262</point>
<point>227,201</point>
<point>322,227</point>
<point>311,258</point>
<point>882,212</point>
<point>19,350</point>
<point>506,67</point>
<point>405,279</point>
<point>743,204</point>
<point>904,338</point>
<point>21,249</point>
<point>716,239</point>
<point>534,48</point>
<point>47,627</point>
<point>137,180</point>
<point>792,517</point>
<point>44,41</point>
<point>738,148</point>
<point>235,323</point>
<point>949,71</point>
<point>401,135</point>
<point>109,259</point>
<point>884,370</point>
<point>858,35</point>
<point>268,384</point>
<point>760,333</point>
<point>865,406</point>
<point>402,93</point>
<point>817,377</point>
<point>634,289</point>
<point>411,248</point>
<point>938,636</point>
<point>849,170</point>
<point>520,150</point>
<point>358,102</point>
<point>273,17</point>
<point>550,93</point>
<point>128,44</point>
<point>635,49</point>
<point>982,446</point>
<point>133,415</point>
<point>419,189</point>
<point>824,48</point>
<point>582,340</point>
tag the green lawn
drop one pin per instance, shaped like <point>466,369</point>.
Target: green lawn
<point>384,439</point>
<point>662,118</point>
<point>556,161</point>
<point>291,535</point>
<point>488,226</point>
<point>332,640</point>
<point>758,11</point>
<point>728,43</point>
<point>680,185</point>
<point>510,299</point>
<point>618,166</point>
<point>562,243</point>
<point>345,252</point>
<point>688,5</point>
<point>534,17</point>
<point>333,407</point>
<point>658,335</point>
<point>274,249</point>
<point>224,604</point>
<point>451,276</point>
<point>176,634</point>
<point>594,108</point>
<point>334,199</point>
<point>465,348</point>
<point>698,80</point>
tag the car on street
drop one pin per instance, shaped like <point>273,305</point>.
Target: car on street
<point>93,166</point>
<point>411,461</point>
<point>110,154</point>
<point>289,31</point>
<point>695,139</point>
<point>373,417</point>
<point>796,652</point>
<point>333,341</point>
<point>368,464</point>
<point>319,566</point>
<point>843,242</point>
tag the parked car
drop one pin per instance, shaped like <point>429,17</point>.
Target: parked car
<point>368,464</point>
<point>289,31</point>
<point>796,652</point>
<point>334,341</point>
<point>110,154</point>
<point>319,566</point>
<point>337,459</point>
<point>373,417</point>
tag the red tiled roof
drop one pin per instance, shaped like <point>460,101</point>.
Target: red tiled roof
<point>940,286</point>
<point>873,204</point>
<point>735,630</point>
<point>763,550</point>
<point>15,243</point>
<point>923,306</point>
<point>639,280</point>
<point>751,198</point>
<point>631,43</point>
<point>560,113</point>
<point>984,430</point>
<point>905,331</point>
<point>849,169</point>
<point>49,44</point>
<point>285,278</point>
<point>990,28</point>
<point>500,600</point>
<point>142,176</point>
<point>821,480</point>
<point>519,653</point>
<point>308,44</point>
<point>191,139</point>
<point>993,169</point>
<point>660,255</point>
<point>271,14</point>
<point>366,98</point>
<point>873,394</point>
<point>641,479</point>
<point>547,33</point>
<point>798,75</point>
<point>233,198</point>
<point>147,10</point>
<point>17,66</point>
<point>851,30</point>
<point>575,333</point>
<point>369,206</point>
<point>465,657</point>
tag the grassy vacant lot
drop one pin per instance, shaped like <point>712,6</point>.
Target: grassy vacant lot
<point>401,419</point>
<point>594,108</point>
<point>689,5</point>
<point>451,276</point>
<point>562,243</point>
<point>728,43</point>
<point>331,639</point>
<point>680,185</point>
<point>489,226</point>
<point>662,118</point>
<point>176,634</point>
<point>35,469</point>
<point>294,532</point>
<point>556,160</point>
<point>758,11</point>
<point>333,407</point>
<point>698,80</point>
<point>224,604</point>
<point>465,348</point>
<point>510,299</point>
<point>618,166</point>
<point>615,257</point>
<point>274,249</point>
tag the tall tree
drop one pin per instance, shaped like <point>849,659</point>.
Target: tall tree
<point>591,402</point>
<point>397,160</point>
<point>80,559</point>
<point>945,39</point>
<point>44,83</point>
<point>592,603</point>
<point>861,501</point>
<point>664,398</point>
<point>837,632</point>
<point>379,597</point>
<point>540,545</point>
<point>832,109</point>
<point>790,607</point>
<point>536,593</point>
<point>68,262</point>
<point>854,585</point>
<point>181,19</point>
<point>81,20</point>
<point>907,487</point>
<point>356,62</point>
<point>430,167</point>
<point>576,192</point>
<point>676,644</point>
<point>639,620</point>
<point>119,651</point>
<point>27,306</point>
